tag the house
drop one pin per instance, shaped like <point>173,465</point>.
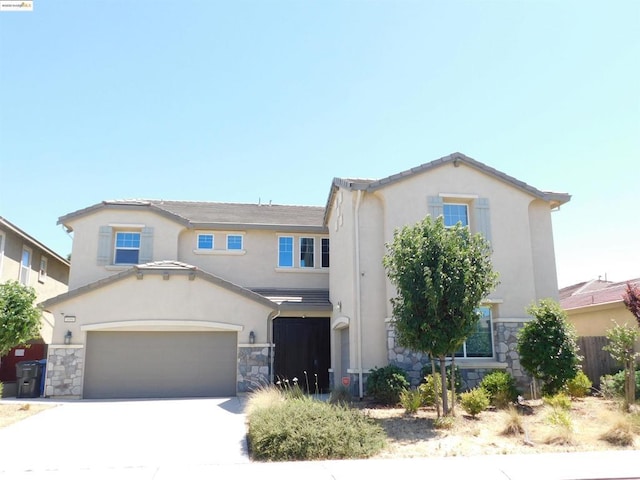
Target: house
<point>24,259</point>
<point>173,298</point>
<point>591,308</point>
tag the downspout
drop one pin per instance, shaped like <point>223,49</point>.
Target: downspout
<point>272,348</point>
<point>358,292</point>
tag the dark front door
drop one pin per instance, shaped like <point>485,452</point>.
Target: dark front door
<point>302,345</point>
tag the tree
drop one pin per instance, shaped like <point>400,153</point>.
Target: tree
<point>631,299</point>
<point>621,346</point>
<point>19,316</point>
<point>441,275</point>
<point>547,346</point>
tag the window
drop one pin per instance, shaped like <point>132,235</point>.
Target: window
<point>42,273</point>
<point>205,241</point>
<point>285,252</point>
<point>25,265</point>
<point>127,250</point>
<point>454,213</point>
<point>480,343</point>
<point>325,253</point>
<point>306,252</point>
<point>234,242</point>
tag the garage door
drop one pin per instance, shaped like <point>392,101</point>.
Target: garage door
<point>160,364</point>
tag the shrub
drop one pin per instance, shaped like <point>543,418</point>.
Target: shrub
<point>559,401</point>
<point>1,386</point>
<point>305,429</point>
<point>563,426</point>
<point>613,385</point>
<point>411,400</point>
<point>579,386</point>
<point>474,401</point>
<point>340,395</point>
<point>263,397</point>
<point>513,423</point>
<point>426,372</point>
<point>444,423</point>
<point>621,430</point>
<point>386,383</point>
<point>426,390</point>
<point>501,388</point>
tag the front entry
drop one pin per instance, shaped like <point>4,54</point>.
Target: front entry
<point>302,345</point>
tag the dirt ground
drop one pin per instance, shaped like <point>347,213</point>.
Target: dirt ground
<point>414,435</point>
<point>13,412</point>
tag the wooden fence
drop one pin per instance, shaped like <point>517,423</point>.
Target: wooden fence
<point>596,362</point>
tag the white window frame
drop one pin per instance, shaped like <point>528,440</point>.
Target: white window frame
<point>465,205</point>
<point>293,252</point>
<point>25,270</point>
<point>241,242</point>
<point>493,350</point>
<point>328,253</point>
<point>116,248</point>
<point>313,252</point>
<point>213,241</point>
<point>42,271</point>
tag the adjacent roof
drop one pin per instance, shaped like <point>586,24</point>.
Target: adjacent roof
<point>593,292</point>
<point>220,215</point>
<point>555,199</point>
<point>160,268</point>
<point>18,231</point>
<point>297,298</point>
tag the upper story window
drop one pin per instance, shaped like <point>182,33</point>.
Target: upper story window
<point>42,273</point>
<point>325,253</point>
<point>205,241</point>
<point>480,343</point>
<point>454,213</point>
<point>285,252</point>
<point>306,252</point>
<point>127,248</point>
<point>25,265</point>
<point>234,242</point>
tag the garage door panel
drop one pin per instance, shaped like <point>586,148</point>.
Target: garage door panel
<point>160,364</point>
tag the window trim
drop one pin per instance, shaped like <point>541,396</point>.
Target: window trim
<point>28,267</point>
<point>42,271</point>
<point>301,239</point>
<point>292,253</point>
<point>116,248</point>
<point>207,234</point>
<point>464,356</point>
<point>322,239</point>
<point>461,204</point>
<point>239,235</point>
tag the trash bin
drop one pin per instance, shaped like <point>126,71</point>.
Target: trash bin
<point>28,377</point>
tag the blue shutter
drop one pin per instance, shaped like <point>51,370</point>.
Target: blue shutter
<point>482,218</point>
<point>146,245</point>
<point>105,250</point>
<point>435,207</point>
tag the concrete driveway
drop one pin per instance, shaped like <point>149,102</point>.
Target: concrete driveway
<point>133,433</point>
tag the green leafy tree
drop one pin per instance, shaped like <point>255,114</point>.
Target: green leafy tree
<point>19,316</point>
<point>547,346</point>
<point>621,346</point>
<point>441,275</point>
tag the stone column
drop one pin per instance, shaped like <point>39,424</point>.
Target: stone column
<point>65,367</point>
<point>254,366</point>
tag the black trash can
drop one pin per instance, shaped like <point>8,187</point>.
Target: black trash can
<point>28,378</point>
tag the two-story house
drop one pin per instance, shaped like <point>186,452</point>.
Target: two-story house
<point>26,260</point>
<point>203,299</point>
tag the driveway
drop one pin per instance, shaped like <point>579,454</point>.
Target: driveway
<point>133,433</point>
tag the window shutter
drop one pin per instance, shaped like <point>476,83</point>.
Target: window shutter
<point>435,207</point>
<point>105,251</point>
<point>146,245</point>
<point>482,218</point>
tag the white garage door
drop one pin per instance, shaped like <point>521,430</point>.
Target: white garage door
<point>160,364</point>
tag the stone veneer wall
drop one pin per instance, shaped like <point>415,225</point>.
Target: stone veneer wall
<point>65,366</point>
<point>506,357</point>
<point>254,367</point>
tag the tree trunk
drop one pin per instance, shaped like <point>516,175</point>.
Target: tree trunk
<point>435,385</point>
<point>443,382</point>
<point>453,384</point>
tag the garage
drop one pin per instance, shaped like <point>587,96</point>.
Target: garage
<point>157,364</point>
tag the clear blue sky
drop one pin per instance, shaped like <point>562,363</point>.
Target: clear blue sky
<point>237,101</point>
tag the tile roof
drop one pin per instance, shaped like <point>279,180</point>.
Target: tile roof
<point>594,292</point>
<point>220,215</point>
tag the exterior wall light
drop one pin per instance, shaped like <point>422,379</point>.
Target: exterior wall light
<point>67,337</point>
<point>252,337</point>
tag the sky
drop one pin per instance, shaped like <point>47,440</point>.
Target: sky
<point>247,101</point>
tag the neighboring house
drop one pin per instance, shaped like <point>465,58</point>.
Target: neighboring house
<point>24,259</point>
<point>592,308</point>
<point>201,299</point>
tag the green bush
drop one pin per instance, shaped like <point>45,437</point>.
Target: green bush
<point>474,401</point>
<point>426,371</point>
<point>501,388</point>
<point>305,429</point>
<point>579,386</point>
<point>427,394</point>
<point>411,400</point>
<point>1,386</point>
<point>613,385</point>
<point>559,401</point>
<point>386,383</point>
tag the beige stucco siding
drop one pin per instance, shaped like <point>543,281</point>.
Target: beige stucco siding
<point>542,250</point>
<point>177,302</point>
<point>256,265</point>
<point>84,266</point>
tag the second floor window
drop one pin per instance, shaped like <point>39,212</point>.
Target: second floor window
<point>127,248</point>
<point>306,252</point>
<point>25,266</point>
<point>234,242</point>
<point>325,253</point>
<point>42,273</point>
<point>205,241</point>
<point>285,252</point>
<point>454,213</point>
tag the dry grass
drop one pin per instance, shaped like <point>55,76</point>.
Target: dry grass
<point>581,430</point>
<point>14,412</point>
